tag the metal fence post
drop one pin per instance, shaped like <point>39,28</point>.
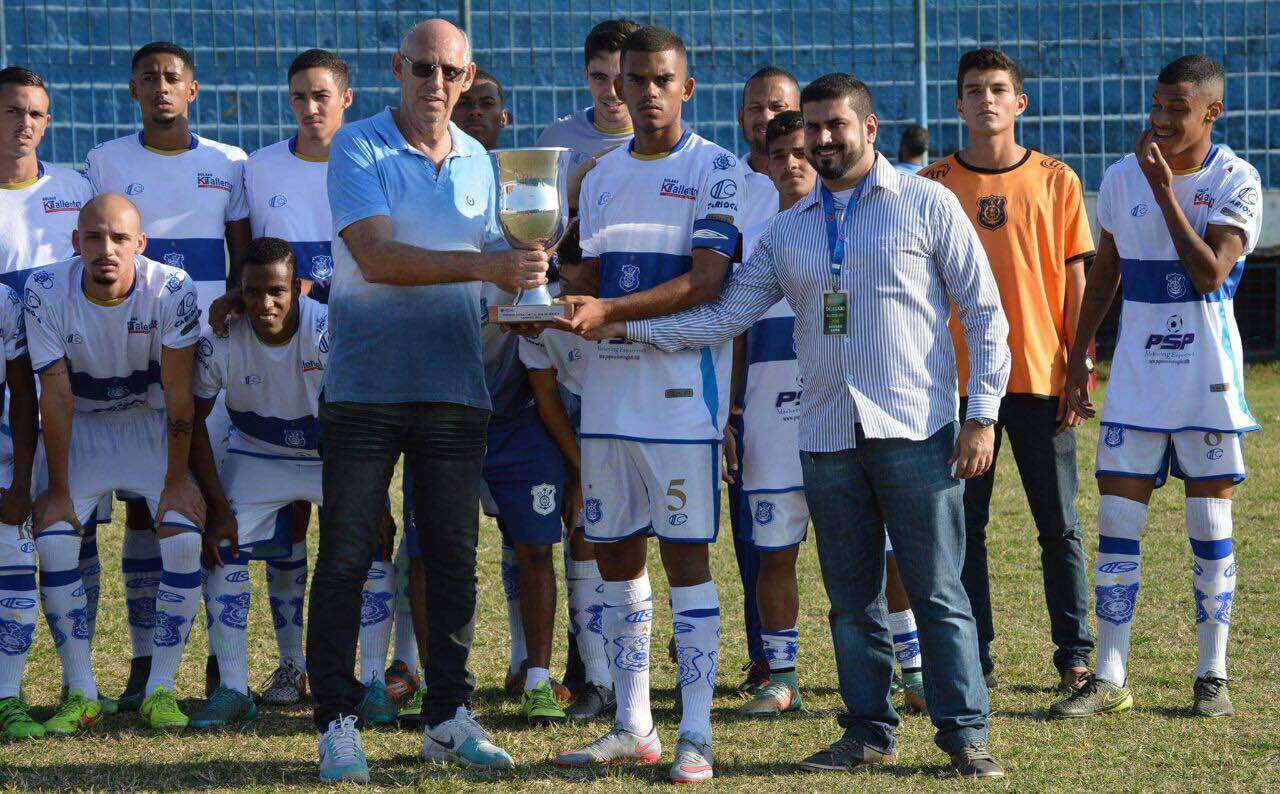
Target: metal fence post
<point>922,71</point>
<point>464,16</point>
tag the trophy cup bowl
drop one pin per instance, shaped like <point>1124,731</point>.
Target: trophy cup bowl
<point>533,211</point>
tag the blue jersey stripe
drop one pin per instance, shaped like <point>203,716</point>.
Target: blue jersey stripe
<point>315,259</point>
<point>771,339</point>
<point>623,273</point>
<point>1166,281</point>
<point>300,434</point>
<point>135,384</point>
<point>710,387</point>
<point>203,259</point>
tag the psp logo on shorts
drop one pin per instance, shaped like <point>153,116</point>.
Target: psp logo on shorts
<point>544,498</point>
<point>593,510</point>
<point>134,189</point>
<point>277,201</point>
<point>321,266</point>
<point>1114,437</point>
<point>629,278</point>
<point>764,512</point>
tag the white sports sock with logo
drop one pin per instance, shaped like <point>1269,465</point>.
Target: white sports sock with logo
<point>65,608</point>
<point>286,589</point>
<point>406,641</point>
<point>226,594</point>
<point>695,613</point>
<point>90,573</point>
<point>19,607</point>
<point>1115,582</point>
<point>781,648</point>
<point>586,606</point>
<point>177,601</point>
<point>141,564</point>
<point>1214,576</point>
<point>375,621</point>
<point>515,622</point>
<point>628,618</point>
<point>906,641</point>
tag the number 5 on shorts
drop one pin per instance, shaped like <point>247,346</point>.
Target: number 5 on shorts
<point>678,493</point>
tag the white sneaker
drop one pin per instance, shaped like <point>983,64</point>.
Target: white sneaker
<point>693,762</point>
<point>342,753</point>
<point>619,744</point>
<point>461,740</point>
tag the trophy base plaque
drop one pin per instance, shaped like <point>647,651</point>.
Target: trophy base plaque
<point>529,313</point>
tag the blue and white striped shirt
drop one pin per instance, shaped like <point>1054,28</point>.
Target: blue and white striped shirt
<point>910,252</point>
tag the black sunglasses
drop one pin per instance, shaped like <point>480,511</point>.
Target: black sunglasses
<point>451,74</point>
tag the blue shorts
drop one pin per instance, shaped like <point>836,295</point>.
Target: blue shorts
<point>524,473</point>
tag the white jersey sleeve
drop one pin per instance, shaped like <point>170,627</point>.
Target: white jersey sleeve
<point>716,216</point>
<point>181,312</point>
<point>533,353</point>
<point>591,200</point>
<point>45,341</point>
<point>211,366</point>
<point>13,329</point>
<point>238,205</point>
<point>1239,204</point>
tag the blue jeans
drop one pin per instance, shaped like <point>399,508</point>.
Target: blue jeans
<point>905,487</point>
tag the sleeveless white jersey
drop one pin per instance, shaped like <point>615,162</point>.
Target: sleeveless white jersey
<point>1178,361</point>
<point>272,392</point>
<point>112,352</point>
<point>36,221</point>
<point>579,132</point>
<point>642,218</point>
<point>186,200</point>
<point>771,400</point>
<point>288,197</point>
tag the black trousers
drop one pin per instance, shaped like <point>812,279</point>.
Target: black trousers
<point>443,446</point>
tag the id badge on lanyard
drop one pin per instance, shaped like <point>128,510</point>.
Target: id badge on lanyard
<point>835,301</point>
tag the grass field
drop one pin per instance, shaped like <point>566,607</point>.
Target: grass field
<point>1155,747</point>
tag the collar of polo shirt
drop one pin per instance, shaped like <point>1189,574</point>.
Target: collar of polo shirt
<point>385,123</point>
<point>881,175</point>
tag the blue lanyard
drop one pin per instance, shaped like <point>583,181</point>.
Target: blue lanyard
<point>836,227</point>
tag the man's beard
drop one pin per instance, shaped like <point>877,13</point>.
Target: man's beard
<point>835,166</point>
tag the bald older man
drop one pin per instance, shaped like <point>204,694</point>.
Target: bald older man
<point>415,227</point>
<point>112,335</point>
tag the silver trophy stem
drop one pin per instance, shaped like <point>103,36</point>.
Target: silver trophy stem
<point>538,296</point>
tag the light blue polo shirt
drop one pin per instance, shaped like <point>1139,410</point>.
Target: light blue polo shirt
<point>394,344</point>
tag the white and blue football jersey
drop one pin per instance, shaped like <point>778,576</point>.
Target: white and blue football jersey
<point>642,218</point>
<point>288,198</point>
<point>112,350</point>
<point>36,221</point>
<point>186,200</point>
<point>578,131</point>
<point>558,350</point>
<point>771,398</point>
<point>272,391</point>
<point>760,204</point>
<point>13,327</point>
<point>1178,362</point>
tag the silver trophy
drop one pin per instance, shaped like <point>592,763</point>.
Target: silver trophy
<point>533,210</point>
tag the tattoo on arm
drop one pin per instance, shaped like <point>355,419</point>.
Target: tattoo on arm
<point>179,427</point>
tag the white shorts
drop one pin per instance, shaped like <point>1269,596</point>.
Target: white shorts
<point>257,488</point>
<point>778,520</point>
<point>1187,455</point>
<point>671,490</point>
<point>118,451</point>
<point>17,547</point>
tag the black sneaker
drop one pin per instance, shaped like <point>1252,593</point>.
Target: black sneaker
<point>135,689</point>
<point>975,762</point>
<point>575,672</point>
<point>843,755</point>
<point>989,679</point>
<point>592,702</point>
<point>1212,698</point>
<point>212,676</point>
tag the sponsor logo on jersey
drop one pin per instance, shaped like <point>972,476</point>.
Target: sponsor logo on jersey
<point>55,204</point>
<point>673,189</point>
<point>207,180</point>
<point>787,398</point>
<point>1202,199</point>
<point>312,365</point>
<point>724,189</point>
<point>544,498</point>
<point>991,212</point>
<point>252,380</point>
<point>1170,341</point>
<point>1214,454</point>
<point>939,171</point>
<point>604,199</point>
<point>1212,439</point>
<point>137,326</point>
<point>277,201</point>
<point>134,189</point>
<point>74,338</point>
<point>1139,210</point>
<point>1249,196</point>
<point>204,351</point>
<point>117,391</point>
<point>723,162</point>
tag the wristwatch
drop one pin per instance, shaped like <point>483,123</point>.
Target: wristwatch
<point>982,421</point>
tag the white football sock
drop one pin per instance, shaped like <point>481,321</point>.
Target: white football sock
<point>628,617</point>
<point>1209,528</point>
<point>781,648</point>
<point>65,608</point>
<point>20,603</point>
<point>286,587</point>
<point>586,604</point>
<point>226,593</point>
<point>906,641</point>
<point>90,573</point>
<point>696,617</point>
<point>1115,582</point>
<point>177,601</point>
<point>535,677</point>
<point>141,564</point>
<point>406,640</point>
<point>515,623</point>
<point>375,621</point>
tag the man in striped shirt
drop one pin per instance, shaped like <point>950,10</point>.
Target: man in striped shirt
<point>880,446</point>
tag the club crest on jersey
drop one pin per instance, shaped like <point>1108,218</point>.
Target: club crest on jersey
<point>1139,210</point>
<point>991,212</point>
<point>134,189</point>
<point>764,512</point>
<point>174,283</point>
<point>1202,199</point>
<point>277,201</point>
<point>55,204</point>
<point>593,510</point>
<point>1114,436</point>
<point>629,278</point>
<point>673,189</point>
<point>117,391</point>
<point>175,259</point>
<point>321,266</point>
<point>723,162</point>
<point>544,499</point>
<point>207,180</point>
<point>1175,284</point>
<point>44,278</point>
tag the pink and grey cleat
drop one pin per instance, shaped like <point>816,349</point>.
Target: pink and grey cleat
<point>693,762</point>
<point>619,745</point>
